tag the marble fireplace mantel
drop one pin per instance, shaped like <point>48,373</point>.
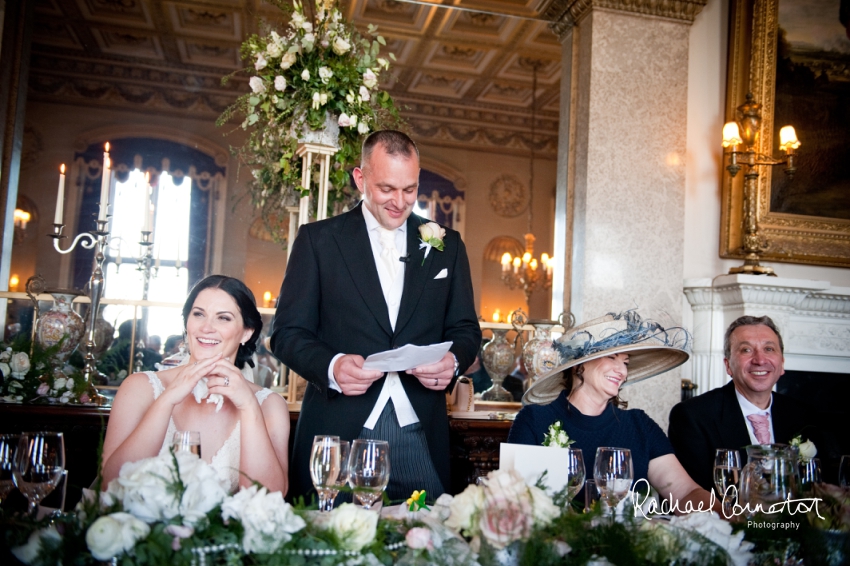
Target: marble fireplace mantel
<point>813,317</point>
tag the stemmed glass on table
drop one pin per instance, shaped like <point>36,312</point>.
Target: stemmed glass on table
<point>187,441</point>
<point>575,472</point>
<point>844,471</point>
<point>39,465</point>
<point>325,464</point>
<point>8,445</point>
<point>613,472</point>
<point>342,477</point>
<point>727,471</point>
<point>369,470</point>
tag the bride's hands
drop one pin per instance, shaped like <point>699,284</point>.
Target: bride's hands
<point>226,380</point>
<point>187,377</point>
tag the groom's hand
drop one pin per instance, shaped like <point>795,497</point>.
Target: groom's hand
<point>351,377</point>
<point>436,376</point>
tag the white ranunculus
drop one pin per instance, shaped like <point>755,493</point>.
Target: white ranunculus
<point>370,79</point>
<point>355,527</point>
<point>353,118</point>
<point>544,510</point>
<point>20,364</point>
<point>288,60</point>
<point>4,367</point>
<point>143,487</point>
<point>113,534</point>
<point>432,230</point>
<point>69,385</point>
<point>268,521</point>
<point>279,83</point>
<point>807,449</point>
<point>307,27</point>
<point>297,20</point>
<point>28,552</point>
<point>364,93</point>
<point>340,45</point>
<point>344,121</point>
<point>261,62</point>
<point>464,508</point>
<point>203,490</point>
<point>274,49</point>
<point>305,75</point>
<point>362,128</point>
<point>257,85</point>
<point>325,74</point>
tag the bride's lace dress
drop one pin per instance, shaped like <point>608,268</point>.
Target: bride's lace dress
<point>225,462</point>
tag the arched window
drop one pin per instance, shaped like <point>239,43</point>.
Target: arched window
<point>439,200</point>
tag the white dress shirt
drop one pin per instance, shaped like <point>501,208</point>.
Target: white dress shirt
<point>392,290</point>
<point>749,409</point>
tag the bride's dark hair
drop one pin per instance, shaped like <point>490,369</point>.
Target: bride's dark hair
<point>244,299</point>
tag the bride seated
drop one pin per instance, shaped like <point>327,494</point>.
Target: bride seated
<point>222,326</point>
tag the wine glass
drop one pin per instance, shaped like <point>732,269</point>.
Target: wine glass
<point>187,441</point>
<point>369,470</point>
<point>8,444</point>
<point>39,463</point>
<point>727,469</point>
<point>342,477</point>
<point>324,467</point>
<point>613,472</point>
<point>810,474</point>
<point>575,472</point>
<point>844,471</point>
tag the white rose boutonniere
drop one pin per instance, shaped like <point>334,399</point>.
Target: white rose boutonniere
<point>557,437</point>
<point>807,449</point>
<point>432,235</point>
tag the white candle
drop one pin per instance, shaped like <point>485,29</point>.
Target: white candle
<point>148,208</point>
<point>105,180</point>
<point>60,197</point>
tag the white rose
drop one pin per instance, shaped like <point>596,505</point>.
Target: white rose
<point>323,98</point>
<point>307,27</point>
<point>325,74</point>
<point>288,60</point>
<point>362,128</point>
<point>268,521</point>
<point>4,367</point>
<point>203,490</point>
<point>807,450</point>
<point>29,552</point>
<point>355,527</point>
<point>344,120</point>
<point>274,50</point>
<point>544,510</point>
<point>20,364</point>
<point>340,45</point>
<point>370,79</point>
<point>112,534</point>
<point>464,507</point>
<point>297,20</point>
<point>144,487</point>
<point>305,75</point>
<point>5,355</point>
<point>364,93</point>
<point>256,84</point>
<point>69,385</point>
<point>261,62</point>
<point>307,42</point>
<point>431,230</point>
<point>419,537</point>
<point>353,118</point>
<point>279,83</point>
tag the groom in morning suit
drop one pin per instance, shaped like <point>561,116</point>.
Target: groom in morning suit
<point>745,411</point>
<point>360,283</point>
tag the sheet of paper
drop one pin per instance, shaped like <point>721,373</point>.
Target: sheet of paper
<point>407,357</point>
<point>532,461</point>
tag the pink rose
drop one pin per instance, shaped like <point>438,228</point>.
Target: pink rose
<point>505,520</point>
<point>43,389</point>
<point>419,537</point>
<point>84,398</point>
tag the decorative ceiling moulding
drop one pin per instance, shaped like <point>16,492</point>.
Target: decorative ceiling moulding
<point>123,13</point>
<point>392,16</point>
<point>491,139</point>
<point>564,14</point>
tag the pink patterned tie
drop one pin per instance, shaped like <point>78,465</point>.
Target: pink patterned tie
<point>761,426</point>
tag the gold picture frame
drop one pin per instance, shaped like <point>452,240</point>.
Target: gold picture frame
<point>752,65</point>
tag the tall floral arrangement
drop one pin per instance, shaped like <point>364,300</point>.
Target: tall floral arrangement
<point>320,70</point>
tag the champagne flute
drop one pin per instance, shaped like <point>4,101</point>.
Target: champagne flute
<point>324,467</point>
<point>8,444</point>
<point>613,472</point>
<point>187,441</point>
<point>844,471</point>
<point>342,478</point>
<point>810,474</point>
<point>727,469</point>
<point>369,470</point>
<point>39,463</point>
<point>575,472</point>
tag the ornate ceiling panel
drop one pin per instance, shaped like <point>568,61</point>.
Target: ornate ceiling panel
<point>462,76</point>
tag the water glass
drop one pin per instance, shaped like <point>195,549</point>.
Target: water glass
<point>369,470</point>
<point>810,474</point>
<point>591,495</point>
<point>844,471</point>
<point>613,472</point>
<point>575,472</point>
<point>324,468</point>
<point>727,471</point>
<point>187,441</point>
<point>39,463</point>
<point>8,444</point>
<point>342,477</point>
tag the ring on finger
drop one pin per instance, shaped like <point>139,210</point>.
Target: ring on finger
<point>436,382</point>
<point>226,381</point>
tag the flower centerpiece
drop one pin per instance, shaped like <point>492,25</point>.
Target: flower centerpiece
<point>36,379</point>
<point>319,72</point>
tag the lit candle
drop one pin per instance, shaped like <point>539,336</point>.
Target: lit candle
<point>267,298</point>
<point>60,197</point>
<point>506,261</point>
<point>497,315</point>
<point>148,208</point>
<point>104,185</point>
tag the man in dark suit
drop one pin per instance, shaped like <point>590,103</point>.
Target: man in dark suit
<point>362,283</point>
<point>745,411</point>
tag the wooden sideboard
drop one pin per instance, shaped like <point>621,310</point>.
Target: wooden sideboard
<point>474,444</point>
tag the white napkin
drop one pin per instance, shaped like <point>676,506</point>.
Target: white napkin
<point>201,391</point>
